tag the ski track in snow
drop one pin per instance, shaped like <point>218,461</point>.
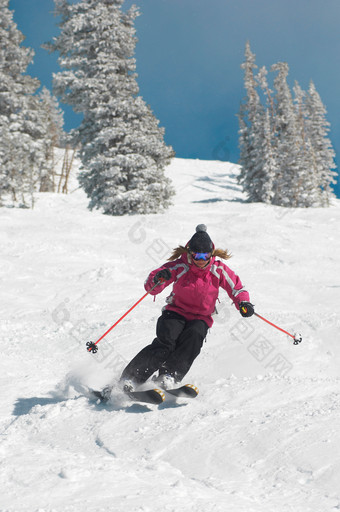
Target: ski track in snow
<point>264,433</point>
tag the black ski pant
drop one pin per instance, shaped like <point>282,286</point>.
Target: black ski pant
<point>178,343</point>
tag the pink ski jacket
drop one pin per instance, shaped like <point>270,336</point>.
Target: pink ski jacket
<point>195,290</point>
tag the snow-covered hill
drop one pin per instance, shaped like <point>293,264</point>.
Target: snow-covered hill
<point>264,433</point>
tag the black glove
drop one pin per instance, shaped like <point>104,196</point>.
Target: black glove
<point>162,275</point>
<point>246,309</point>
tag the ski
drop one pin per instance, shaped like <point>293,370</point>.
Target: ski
<point>150,396</point>
<point>185,391</point>
<point>103,395</point>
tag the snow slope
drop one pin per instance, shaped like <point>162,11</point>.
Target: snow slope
<point>264,433</point>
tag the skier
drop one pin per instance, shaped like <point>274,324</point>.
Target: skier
<point>197,275</point>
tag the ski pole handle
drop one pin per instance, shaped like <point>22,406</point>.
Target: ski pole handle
<point>297,337</point>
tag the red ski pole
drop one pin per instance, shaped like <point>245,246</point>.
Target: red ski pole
<point>92,346</point>
<point>297,337</point>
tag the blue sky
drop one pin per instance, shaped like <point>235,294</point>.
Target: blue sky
<point>188,61</point>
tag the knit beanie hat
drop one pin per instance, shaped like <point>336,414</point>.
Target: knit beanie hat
<point>201,241</point>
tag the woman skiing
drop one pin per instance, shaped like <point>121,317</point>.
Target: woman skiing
<point>196,275</point>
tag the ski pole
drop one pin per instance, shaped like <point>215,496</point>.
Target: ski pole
<point>297,337</point>
<point>92,347</point>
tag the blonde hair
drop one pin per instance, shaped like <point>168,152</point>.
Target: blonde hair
<point>219,253</point>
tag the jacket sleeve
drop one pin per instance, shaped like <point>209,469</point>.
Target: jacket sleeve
<point>231,283</point>
<point>149,283</point>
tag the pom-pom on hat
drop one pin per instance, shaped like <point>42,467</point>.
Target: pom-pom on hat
<point>201,241</point>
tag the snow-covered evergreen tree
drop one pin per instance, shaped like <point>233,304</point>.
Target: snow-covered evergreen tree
<point>311,182</point>
<point>52,118</point>
<point>267,147</point>
<point>269,160</point>
<point>317,130</point>
<point>289,187</point>
<point>286,156</point>
<point>23,141</point>
<point>261,79</point>
<point>15,88</point>
<point>122,148</point>
<point>251,127</point>
<point>258,157</point>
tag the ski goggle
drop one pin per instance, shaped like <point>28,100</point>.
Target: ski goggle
<point>201,256</point>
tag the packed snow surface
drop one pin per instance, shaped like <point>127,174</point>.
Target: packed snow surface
<point>263,434</point>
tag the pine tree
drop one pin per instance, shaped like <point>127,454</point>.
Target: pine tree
<point>286,155</point>
<point>317,129</point>
<point>122,148</point>
<point>261,79</point>
<point>8,161</point>
<point>311,183</point>
<point>258,158</point>
<point>23,131</point>
<point>52,118</point>
<point>269,160</point>
<point>267,147</point>
<point>15,86</point>
<point>250,119</point>
<point>292,186</point>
